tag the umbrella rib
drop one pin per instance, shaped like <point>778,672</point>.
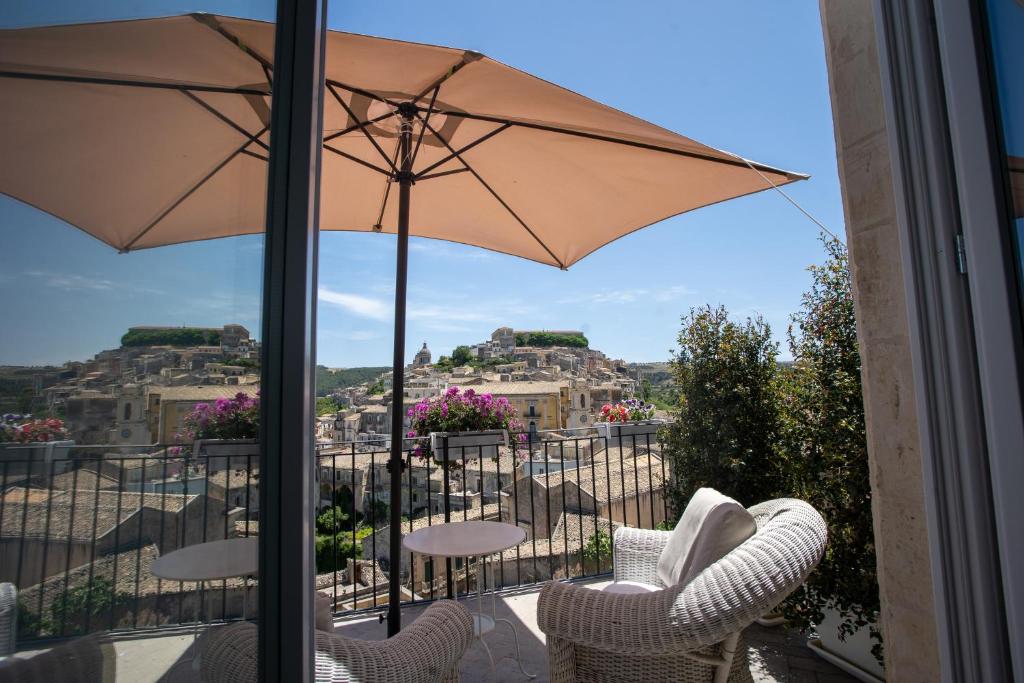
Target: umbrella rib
<point>465,148</point>
<point>497,197</point>
<point>96,80</point>
<point>357,126</point>
<point>468,57</point>
<point>441,174</point>
<point>621,141</point>
<point>362,128</point>
<point>182,198</point>
<point>356,159</point>
<point>255,155</point>
<point>210,108</point>
<point>359,91</point>
<point>387,193</point>
<point>211,22</point>
<point>423,129</point>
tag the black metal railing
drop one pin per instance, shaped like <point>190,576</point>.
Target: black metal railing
<point>80,525</point>
<point>569,489</point>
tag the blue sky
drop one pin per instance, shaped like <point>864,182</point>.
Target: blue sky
<point>747,77</point>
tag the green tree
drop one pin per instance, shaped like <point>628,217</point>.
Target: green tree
<point>824,428</point>
<point>178,336</point>
<point>547,339</point>
<point>74,607</point>
<point>325,405</point>
<point>334,550</point>
<point>727,422</point>
<point>461,355</point>
<point>378,514</point>
<point>597,552</point>
<point>332,519</point>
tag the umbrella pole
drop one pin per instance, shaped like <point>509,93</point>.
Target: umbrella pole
<point>398,376</point>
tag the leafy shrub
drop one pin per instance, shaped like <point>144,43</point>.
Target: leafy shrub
<point>726,427</point>
<point>824,427</point>
<point>597,552</point>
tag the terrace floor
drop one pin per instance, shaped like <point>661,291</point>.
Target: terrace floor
<point>775,654</point>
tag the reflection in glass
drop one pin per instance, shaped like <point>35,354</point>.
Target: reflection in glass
<point>130,356</point>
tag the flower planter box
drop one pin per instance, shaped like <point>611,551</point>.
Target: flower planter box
<point>40,458</point>
<point>465,445</point>
<point>852,655</point>
<point>224,454</point>
<point>639,433</point>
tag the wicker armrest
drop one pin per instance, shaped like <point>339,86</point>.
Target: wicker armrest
<point>636,553</point>
<point>228,654</point>
<point>89,659</point>
<point>426,651</point>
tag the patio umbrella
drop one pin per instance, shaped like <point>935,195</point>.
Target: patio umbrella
<point>152,132</point>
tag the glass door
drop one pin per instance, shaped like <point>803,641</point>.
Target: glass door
<point>141,333</point>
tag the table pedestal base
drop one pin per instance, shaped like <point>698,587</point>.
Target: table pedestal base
<point>484,623</point>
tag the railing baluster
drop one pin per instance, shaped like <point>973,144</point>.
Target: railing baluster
<point>650,477</point>
<point>163,526</point>
<point>597,527</point>
<point>138,546</point>
<point>24,522</point>
<point>373,542</point>
<point>579,500</point>
<point>43,574</point>
<point>636,484</point>
<point>92,546</point>
<point>117,545</point>
<point>67,555</point>
<point>565,516</point>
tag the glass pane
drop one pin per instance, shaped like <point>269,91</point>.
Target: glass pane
<point>1006,24</point>
<point>132,219</point>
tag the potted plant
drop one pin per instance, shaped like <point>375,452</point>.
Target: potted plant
<point>225,432</point>
<point>628,422</point>
<point>464,424</point>
<point>27,441</point>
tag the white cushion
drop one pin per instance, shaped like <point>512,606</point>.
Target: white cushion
<point>629,587</point>
<point>712,524</point>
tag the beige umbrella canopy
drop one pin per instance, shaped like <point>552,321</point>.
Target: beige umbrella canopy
<point>153,132</point>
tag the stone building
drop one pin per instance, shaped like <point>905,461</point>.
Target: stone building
<point>422,357</point>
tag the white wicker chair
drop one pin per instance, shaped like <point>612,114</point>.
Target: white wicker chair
<point>427,651</point>
<point>689,632</point>
<point>8,618</point>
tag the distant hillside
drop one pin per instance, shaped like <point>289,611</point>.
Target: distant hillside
<point>328,380</point>
<point>17,393</point>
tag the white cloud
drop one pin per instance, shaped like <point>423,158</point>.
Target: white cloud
<point>72,282</point>
<point>450,251</point>
<point>628,296</point>
<point>363,306</point>
<point>361,335</point>
<point>672,293</point>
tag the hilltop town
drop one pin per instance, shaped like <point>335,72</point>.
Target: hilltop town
<point>139,393</point>
<point>566,485</point>
<point>552,377</point>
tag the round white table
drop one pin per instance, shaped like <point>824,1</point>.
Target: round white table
<point>211,561</point>
<point>479,539</point>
